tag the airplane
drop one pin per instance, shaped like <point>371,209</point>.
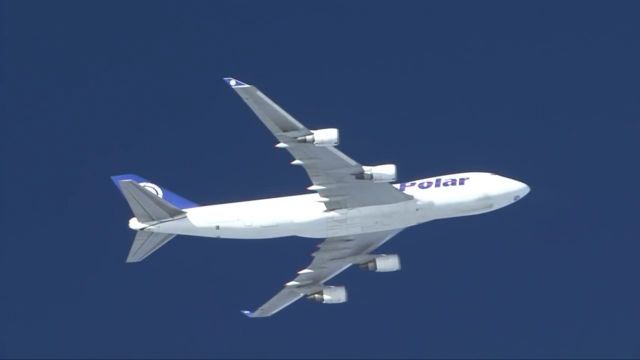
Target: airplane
<point>354,208</point>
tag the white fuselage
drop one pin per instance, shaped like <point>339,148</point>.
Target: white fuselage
<point>305,215</point>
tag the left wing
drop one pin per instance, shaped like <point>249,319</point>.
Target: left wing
<point>335,176</point>
<point>333,256</point>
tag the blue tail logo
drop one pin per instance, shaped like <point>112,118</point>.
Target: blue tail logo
<point>164,193</point>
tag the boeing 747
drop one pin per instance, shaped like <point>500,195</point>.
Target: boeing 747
<point>354,208</point>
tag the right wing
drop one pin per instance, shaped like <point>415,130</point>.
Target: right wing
<point>334,174</point>
<point>333,256</point>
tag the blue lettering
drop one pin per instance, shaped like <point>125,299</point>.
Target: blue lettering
<point>449,182</point>
<point>425,184</point>
<point>435,183</point>
<point>403,186</point>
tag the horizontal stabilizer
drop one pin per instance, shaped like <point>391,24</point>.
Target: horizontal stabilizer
<point>146,243</point>
<point>146,206</point>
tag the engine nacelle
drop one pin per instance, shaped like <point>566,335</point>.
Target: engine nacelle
<point>322,137</point>
<point>330,295</point>
<point>383,263</point>
<point>381,173</point>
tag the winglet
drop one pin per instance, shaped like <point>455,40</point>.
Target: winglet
<point>235,83</point>
<point>247,313</point>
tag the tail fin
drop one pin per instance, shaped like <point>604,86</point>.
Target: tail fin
<point>164,193</point>
<point>146,205</point>
<point>149,203</point>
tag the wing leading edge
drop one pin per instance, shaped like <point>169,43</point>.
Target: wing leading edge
<point>333,256</point>
<point>333,174</point>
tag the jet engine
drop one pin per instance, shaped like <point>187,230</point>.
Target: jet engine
<point>381,173</point>
<point>330,295</point>
<point>322,137</point>
<point>382,263</point>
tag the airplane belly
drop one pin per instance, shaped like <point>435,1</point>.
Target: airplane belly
<point>280,219</point>
<point>372,219</point>
<point>269,218</point>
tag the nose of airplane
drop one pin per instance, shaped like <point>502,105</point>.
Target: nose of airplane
<point>506,191</point>
<point>519,189</point>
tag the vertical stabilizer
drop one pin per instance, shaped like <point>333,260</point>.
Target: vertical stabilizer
<point>146,205</point>
<point>168,195</point>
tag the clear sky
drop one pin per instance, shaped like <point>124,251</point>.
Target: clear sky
<point>544,92</point>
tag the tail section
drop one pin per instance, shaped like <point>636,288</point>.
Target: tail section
<point>146,205</point>
<point>150,204</point>
<point>164,193</point>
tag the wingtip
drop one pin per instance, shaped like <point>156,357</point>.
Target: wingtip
<point>247,313</point>
<point>234,83</point>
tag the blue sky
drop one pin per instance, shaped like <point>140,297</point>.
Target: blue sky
<point>546,93</point>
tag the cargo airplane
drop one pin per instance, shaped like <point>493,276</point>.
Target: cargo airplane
<point>354,208</point>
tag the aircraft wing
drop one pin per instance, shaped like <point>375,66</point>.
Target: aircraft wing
<point>333,256</point>
<point>333,173</point>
